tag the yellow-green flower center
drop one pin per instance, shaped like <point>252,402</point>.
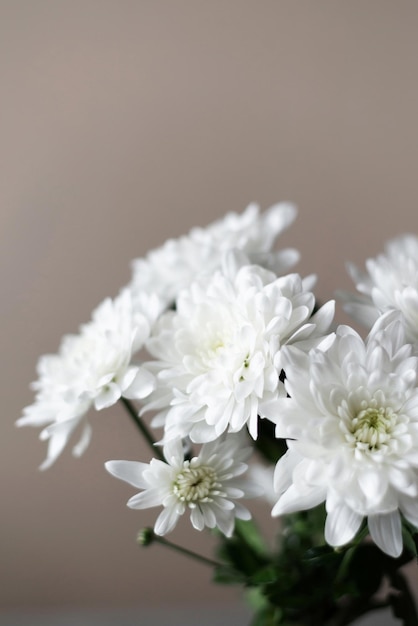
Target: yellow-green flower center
<point>372,427</point>
<point>196,484</point>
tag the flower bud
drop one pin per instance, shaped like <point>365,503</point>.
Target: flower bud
<point>145,537</point>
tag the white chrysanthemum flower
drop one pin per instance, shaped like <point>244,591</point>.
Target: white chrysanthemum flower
<point>219,352</point>
<point>352,425</point>
<point>208,485</point>
<point>146,309</point>
<point>173,266</point>
<point>390,283</point>
<point>92,368</point>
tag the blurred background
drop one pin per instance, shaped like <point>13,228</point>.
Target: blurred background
<point>124,123</point>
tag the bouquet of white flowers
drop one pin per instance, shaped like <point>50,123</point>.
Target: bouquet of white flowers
<point>239,367</point>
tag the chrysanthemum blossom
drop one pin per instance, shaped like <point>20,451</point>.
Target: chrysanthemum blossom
<point>352,429</point>
<point>173,266</point>
<point>390,282</point>
<point>92,368</point>
<point>208,485</point>
<point>219,353</point>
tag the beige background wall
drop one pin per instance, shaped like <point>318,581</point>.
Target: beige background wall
<point>123,123</point>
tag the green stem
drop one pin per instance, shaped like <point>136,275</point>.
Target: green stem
<point>142,427</point>
<point>349,553</point>
<point>147,536</point>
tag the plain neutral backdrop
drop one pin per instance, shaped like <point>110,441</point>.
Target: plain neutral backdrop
<point>123,123</point>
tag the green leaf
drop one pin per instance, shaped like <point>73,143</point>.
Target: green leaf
<point>263,576</point>
<point>321,555</point>
<point>249,533</point>
<point>409,541</point>
<point>256,598</point>
<point>227,576</point>
<point>245,552</point>
<point>366,569</point>
<point>269,616</point>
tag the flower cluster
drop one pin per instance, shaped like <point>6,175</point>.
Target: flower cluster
<point>221,344</point>
<point>92,369</point>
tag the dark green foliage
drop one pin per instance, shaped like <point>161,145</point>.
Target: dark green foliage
<point>270,448</point>
<point>308,583</point>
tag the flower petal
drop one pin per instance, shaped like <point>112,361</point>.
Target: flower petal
<point>386,532</point>
<point>341,525</point>
<point>293,500</point>
<point>166,521</point>
<point>129,471</point>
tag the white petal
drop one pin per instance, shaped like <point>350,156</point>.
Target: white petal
<point>33,418</point>
<point>279,217</point>
<point>142,385</point>
<point>174,452</point>
<point>223,504</point>
<point>225,522</point>
<point>58,435</point>
<point>197,519</point>
<point>249,489</point>
<point>84,440</point>
<point>386,532</point>
<point>292,500</point>
<point>404,480</point>
<point>202,432</point>
<point>109,395</point>
<point>146,499</point>
<point>166,521</point>
<point>341,525</point>
<point>209,516</point>
<point>242,512</point>
<point>373,484</point>
<point>106,379</point>
<point>284,469</point>
<point>233,492</point>
<point>129,471</point>
<point>409,508</point>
